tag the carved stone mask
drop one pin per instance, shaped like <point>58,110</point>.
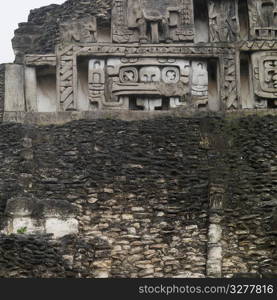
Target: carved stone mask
<point>150,74</point>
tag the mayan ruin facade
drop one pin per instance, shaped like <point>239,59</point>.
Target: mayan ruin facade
<point>138,139</point>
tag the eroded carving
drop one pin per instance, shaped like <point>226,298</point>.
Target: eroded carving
<point>223,21</point>
<point>81,30</point>
<point>263,19</point>
<point>153,21</point>
<point>41,60</point>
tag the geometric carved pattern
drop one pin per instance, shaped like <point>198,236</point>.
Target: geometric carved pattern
<point>230,91</point>
<point>66,80</point>
<point>40,60</point>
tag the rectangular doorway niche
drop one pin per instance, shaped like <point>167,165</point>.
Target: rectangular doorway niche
<point>82,84</point>
<point>247,96</point>
<point>213,86</point>
<point>243,19</point>
<point>46,89</point>
<point>201,21</point>
<point>104,34</point>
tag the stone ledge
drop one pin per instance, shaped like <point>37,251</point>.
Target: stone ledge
<point>66,117</point>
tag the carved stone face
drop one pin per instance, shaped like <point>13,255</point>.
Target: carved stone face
<point>170,75</point>
<point>150,74</point>
<point>128,74</point>
<point>265,74</point>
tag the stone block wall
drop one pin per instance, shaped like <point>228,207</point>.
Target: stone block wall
<point>141,194</point>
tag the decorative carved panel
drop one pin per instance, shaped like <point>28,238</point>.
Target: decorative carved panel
<point>152,21</point>
<point>229,86</point>
<point>265,77</point>
<point>65,80</point>
<point>147,83</point>
<point>263,19</point>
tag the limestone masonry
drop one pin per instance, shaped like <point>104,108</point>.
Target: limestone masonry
<point>138,139</point>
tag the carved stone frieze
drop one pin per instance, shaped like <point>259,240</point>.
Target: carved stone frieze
<point>41,60</point>
<point>258,45</point>
<point>153,55</point>
<point>154,50</point>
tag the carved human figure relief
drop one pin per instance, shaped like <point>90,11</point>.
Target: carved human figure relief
<point>223,21</point>
<point>82,30</point>
<point>96,83</point>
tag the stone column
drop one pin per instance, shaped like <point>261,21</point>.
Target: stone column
<point>31,89</point>
<point>214,261</point>
<point>14,88</point>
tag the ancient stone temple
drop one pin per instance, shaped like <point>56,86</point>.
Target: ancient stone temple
<point>138,139</point>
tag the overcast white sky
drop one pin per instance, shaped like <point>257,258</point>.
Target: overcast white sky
<point>13,12</point>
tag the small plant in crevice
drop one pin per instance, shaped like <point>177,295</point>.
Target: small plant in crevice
<point>205,142</point>
<point>22,230</point>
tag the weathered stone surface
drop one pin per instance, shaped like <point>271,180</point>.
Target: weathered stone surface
<point>149,233</point>
<point>31,89</point>
<point>14,88</point>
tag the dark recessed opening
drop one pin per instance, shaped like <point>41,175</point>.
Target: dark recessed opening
<point>246,95</point>
<point>201,20</point>
<point>272,103</point>
<point>82,75</point>
<point>243,19</point>
<point>103,31</point>
<point>214,103</point>
<point>46,89</point>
